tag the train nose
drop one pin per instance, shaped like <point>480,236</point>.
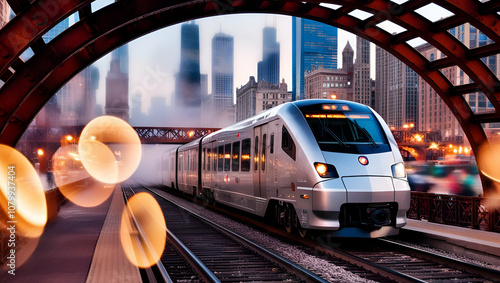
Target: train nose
<point>369,189</point>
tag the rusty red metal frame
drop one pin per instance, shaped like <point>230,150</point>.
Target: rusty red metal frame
<point>29,85</point>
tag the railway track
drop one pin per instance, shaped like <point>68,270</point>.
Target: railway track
<point>385,261</point>
<point>421,264</point>
<point>402,263</point>
<point>199,250</point>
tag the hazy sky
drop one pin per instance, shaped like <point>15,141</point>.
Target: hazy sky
<point>155,58</point>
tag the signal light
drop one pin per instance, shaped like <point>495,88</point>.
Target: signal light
<point>329,107</point>
<point>363,160</point>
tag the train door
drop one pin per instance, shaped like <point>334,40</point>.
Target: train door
<point>211,165</point>
<point>260,160</point>
<point>272,157</point>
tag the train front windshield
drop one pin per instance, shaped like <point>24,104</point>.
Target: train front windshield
<point>347,132</point>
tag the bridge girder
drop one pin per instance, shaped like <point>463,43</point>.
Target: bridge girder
<point>29,85</point>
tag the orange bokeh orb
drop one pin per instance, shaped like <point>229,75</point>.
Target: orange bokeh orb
<point>143,251</point>
<point>109,149</point>
<point>22,197</point>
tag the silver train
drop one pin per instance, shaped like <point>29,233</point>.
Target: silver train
<point>325,165</point>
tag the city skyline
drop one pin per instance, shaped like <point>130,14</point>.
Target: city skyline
<point>157,75</point>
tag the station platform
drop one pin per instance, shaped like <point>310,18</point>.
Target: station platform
<point>83,245</point>
<point>476,244</point>
<point>79,245</point>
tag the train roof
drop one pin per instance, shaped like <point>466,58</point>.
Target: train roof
<point>316,104</point>
<point>309,104</point>
<point>267,115</point>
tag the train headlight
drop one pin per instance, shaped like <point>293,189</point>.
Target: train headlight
<point>398,170</point>
<point>326,170</point>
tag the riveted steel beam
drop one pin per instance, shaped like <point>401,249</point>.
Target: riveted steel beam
<point>30,85</point>
<point>30,24</point>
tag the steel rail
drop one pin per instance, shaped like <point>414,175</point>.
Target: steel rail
<point>157,272</point>
<point>445,260</point>
<point>292,267</point>
<point>202,270</point>
<point>334,252</point>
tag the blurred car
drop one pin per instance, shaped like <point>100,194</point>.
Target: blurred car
<point>419,183</point>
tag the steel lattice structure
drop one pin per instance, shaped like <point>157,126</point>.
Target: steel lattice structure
<point>147,135</point>
<point>171,135</point>
<point>29,85</point>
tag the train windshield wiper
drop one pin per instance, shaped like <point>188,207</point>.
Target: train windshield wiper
<point>334,136</point>
<point>368,136</point>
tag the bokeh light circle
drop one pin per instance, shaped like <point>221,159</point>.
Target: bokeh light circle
<point>110,149</point>
<point>25,190</point>
<point>489,154</point>
<point>143,251</point>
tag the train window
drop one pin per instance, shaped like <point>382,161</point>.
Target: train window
<point>359,133</point>
<point>263,158</point>
<point>227,157</point>
<point>287,143</point>
<point>203,157</point>
<point>245,155</point>
<point>209,152</point>
<point>214,154</point>
<point>271,144</point>
<point>194,162</point>
<point>221,158</point>
<point>256,154</point>
<point>236,156</point>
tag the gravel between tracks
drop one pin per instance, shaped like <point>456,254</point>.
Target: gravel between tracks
<point>321,267</point>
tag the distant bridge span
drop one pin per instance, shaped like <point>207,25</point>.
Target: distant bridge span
<point>29,85</point>
<point>147,135</point>
<point>50,139</point>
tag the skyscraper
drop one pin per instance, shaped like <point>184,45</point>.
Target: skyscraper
<point>222,65</point>
<point>117,84</point>
<point>361,73</point>
<point>313,44</point>
<point>269,68</point>
<point>396,89</point>
<point>347,58</point>
<point>222,79</point>
<point>435,114</point>
<point>188,79</point>
<point>50,115</point>
<point>78,105</point>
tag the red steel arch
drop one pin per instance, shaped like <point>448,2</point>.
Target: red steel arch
<point>29,85</point>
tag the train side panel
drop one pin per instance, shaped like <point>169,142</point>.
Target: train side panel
<point>226,174</point>
<point>269,163</point>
